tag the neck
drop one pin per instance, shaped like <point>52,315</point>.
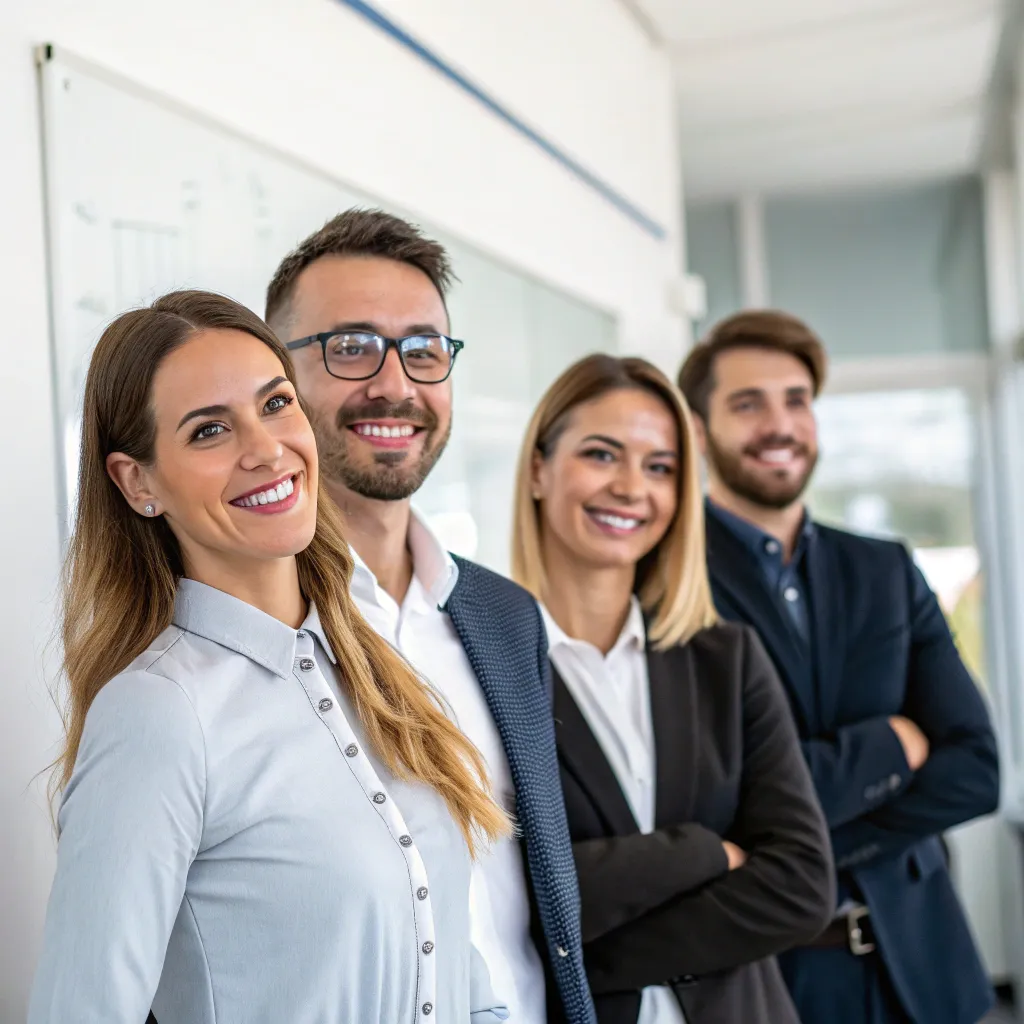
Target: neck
<point>379,531</point>
<point>781,523</point>
<point>589,603</point>
<point>272,585</point>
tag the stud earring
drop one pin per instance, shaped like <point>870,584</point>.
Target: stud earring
<point>150,510</point>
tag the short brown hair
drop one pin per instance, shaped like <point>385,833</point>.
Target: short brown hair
<point>359,232</point>
<point>759,328</point>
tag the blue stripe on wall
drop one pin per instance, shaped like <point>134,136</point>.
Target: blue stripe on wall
<point>574,167</point>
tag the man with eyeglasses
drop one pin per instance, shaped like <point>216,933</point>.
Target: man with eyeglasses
<point>361,306</point>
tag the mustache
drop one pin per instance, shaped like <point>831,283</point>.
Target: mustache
<point>384,410</point>
<point>775,441</point>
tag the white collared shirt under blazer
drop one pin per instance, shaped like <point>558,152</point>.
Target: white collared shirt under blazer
<point>613,692</point>
<point>231,852</point>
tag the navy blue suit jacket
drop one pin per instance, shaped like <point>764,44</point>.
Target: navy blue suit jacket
<point>881,647</point>
<point>502,631</point>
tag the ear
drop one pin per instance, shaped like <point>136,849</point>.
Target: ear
<point>132,481</point>
<point>538,475</point>
<point>700,431</point>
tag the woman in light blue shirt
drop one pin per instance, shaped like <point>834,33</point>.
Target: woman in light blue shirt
<point>266,817</point>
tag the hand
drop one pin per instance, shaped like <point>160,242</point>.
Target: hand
<point>913,741</point>
<point>737,857</point>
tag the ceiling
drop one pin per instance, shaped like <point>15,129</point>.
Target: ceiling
<point>790,95</point>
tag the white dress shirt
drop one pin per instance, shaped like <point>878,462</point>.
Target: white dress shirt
<point>419,628</point>
<point>613,693</point>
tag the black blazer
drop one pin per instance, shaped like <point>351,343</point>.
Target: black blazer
<point>663,908</point>
<point>881,648</point>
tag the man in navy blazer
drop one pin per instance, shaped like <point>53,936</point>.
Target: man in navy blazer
<point>361,306</point>
<point>892,725</point>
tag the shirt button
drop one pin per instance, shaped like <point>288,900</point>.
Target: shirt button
<point>894,781</point>
<point>562,951</point>
<point>405,840</point>
<point>421,892</point>
<point>351,750</point>
<point>772,547</point>
<point>307,664</point>
<point>379,798</point>
<point>428,948</point>
<point>791,594</point>
<point>326,704</point>
<point>428,1009</point>
<point>300,635</point>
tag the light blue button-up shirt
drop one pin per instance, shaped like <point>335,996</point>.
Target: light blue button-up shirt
<point>232,853</point>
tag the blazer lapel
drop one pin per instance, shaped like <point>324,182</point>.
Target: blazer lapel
<point>734,573</point>
<point>828,622</point>
<point>673,711</point>
<point>582,755</point>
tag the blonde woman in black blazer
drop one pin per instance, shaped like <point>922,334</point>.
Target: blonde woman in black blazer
<point>699,845</point>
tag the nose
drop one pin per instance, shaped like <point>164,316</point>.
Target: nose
<point>260,448</point>
<point>391,383</point>
<point>778,419</point>
<point>628,482</point>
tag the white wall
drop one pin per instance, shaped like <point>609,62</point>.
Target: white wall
<point>316,81</point>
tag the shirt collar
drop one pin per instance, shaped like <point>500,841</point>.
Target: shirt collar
<point>432,565</point>
<point>632,637</point>
<point>238,626</point>
<point>753,538</point>
<point>314,627</point>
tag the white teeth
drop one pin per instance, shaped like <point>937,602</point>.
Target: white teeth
<point>618,522</point>
<point>779,455</point>
<point>374,430</point>
<point>269,496</point>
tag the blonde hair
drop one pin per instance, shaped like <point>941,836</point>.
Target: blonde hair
<point>122,570</point>
<point>672,580</point>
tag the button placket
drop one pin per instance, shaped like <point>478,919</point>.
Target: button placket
<point>376,794</point>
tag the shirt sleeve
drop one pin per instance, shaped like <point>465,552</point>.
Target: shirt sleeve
<point>131,821</point>
<point>484,1006</point>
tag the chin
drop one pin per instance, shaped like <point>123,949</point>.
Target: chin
<point>283,543</point>
<point>612,556</point>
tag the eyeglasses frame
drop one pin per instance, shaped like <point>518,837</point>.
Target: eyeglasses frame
<point>324,336</point>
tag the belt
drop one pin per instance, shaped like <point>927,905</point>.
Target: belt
<point>852,931</point>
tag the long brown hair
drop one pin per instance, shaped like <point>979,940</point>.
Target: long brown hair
<point>122,569</point>
<point>672,580</point>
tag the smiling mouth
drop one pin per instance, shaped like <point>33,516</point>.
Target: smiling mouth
<point>776,457</point>
<point>615,524</point>
<point>277,497</point>
<point>385,435</point>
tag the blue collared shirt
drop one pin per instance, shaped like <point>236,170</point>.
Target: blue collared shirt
<point>786,581</point>
<point>233,851</point>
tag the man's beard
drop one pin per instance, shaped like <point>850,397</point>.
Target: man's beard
<point>393,476</point>
<point>777,493</point>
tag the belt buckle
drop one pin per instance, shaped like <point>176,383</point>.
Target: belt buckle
<point>858,947</point>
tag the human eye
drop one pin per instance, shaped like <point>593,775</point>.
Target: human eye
<point>207,431</point>
<point>277,403</point>
<point>424,348</point>
<point>350,346</point>
<point>662,468</point>
<point>597,454</point>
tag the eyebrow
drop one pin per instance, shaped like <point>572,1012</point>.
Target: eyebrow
<point>619,446</point>
<point>365,325</point>
<point>220,410</point>
<point>793,389</point>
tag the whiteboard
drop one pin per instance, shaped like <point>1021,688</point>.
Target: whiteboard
<point>144,196</point>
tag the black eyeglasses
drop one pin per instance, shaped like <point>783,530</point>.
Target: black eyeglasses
<point>359,355</point>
